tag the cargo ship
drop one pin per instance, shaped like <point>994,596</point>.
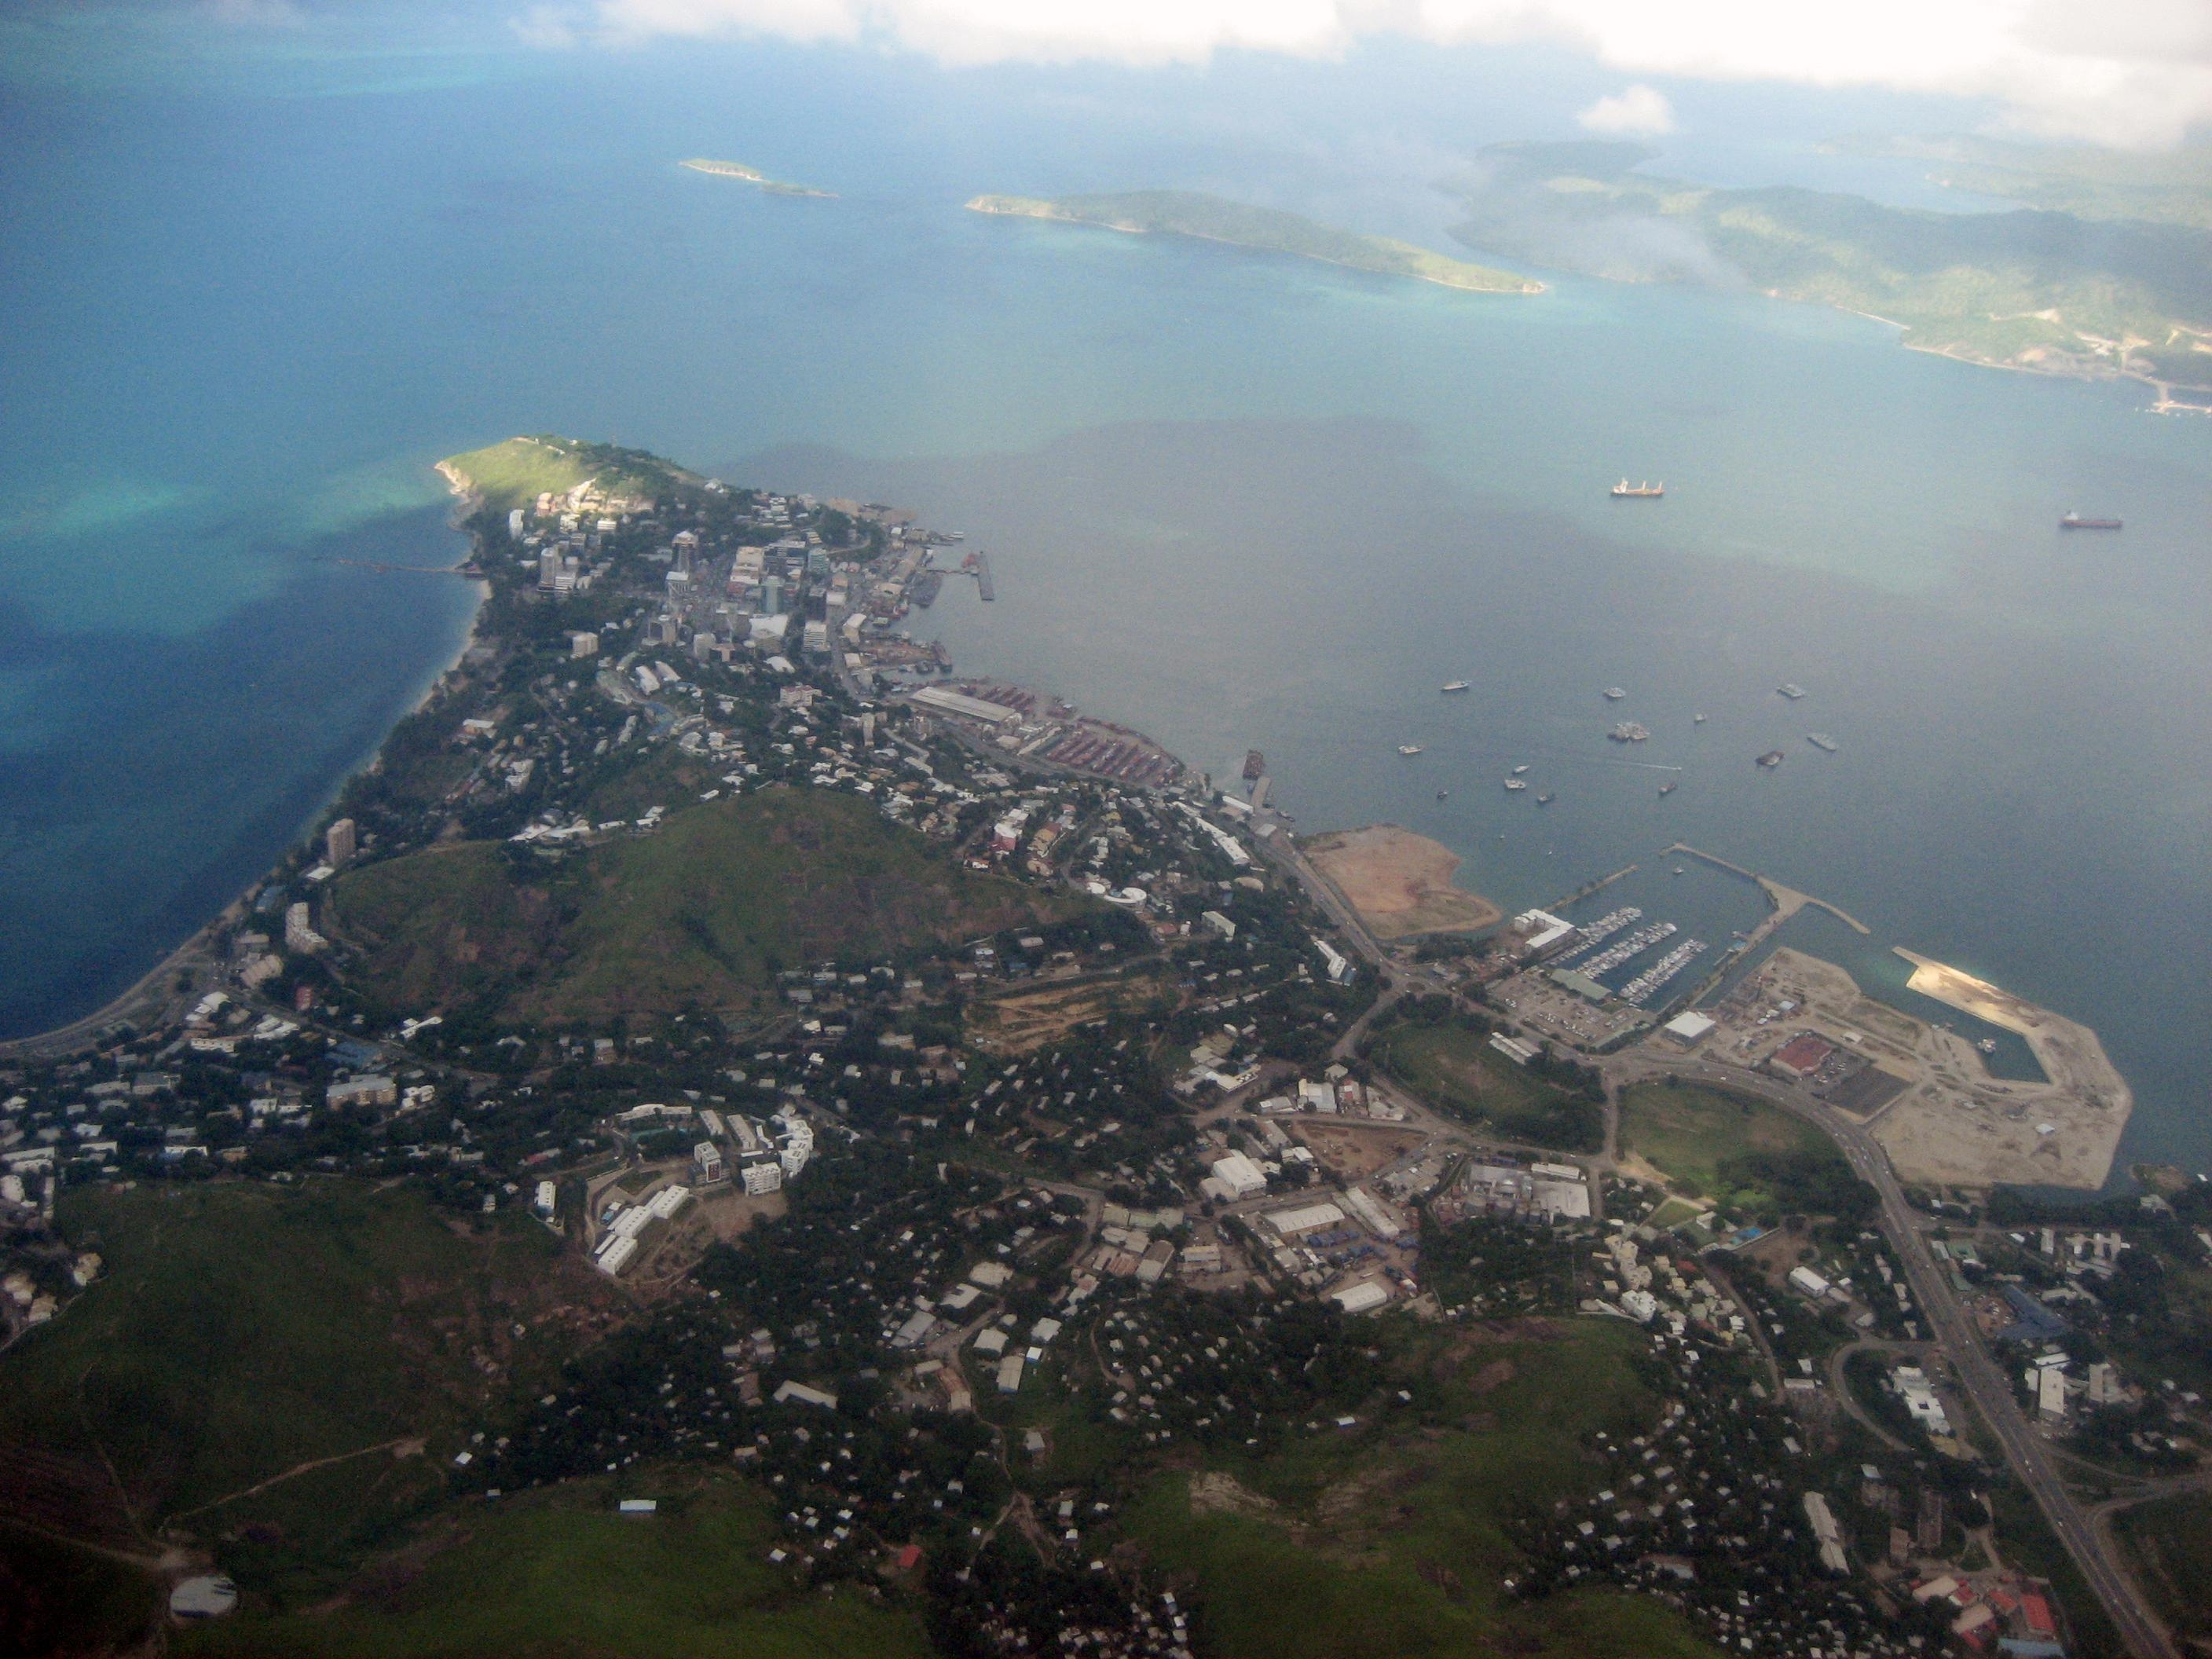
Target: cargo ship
<point>1647,491</point>
<point>2075,521</point>
<point>1770,759</point>
<point>1821,740</point>
<point>1255,764</point>
<point>925,588</point>
<point>1453,685</point>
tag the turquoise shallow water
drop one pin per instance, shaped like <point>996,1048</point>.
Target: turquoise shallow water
<point>1238,501</point>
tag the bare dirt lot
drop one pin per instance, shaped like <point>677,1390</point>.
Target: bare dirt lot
<point>1399,882</point>
<point>1351,1150</point>
<point>1026,1020</point>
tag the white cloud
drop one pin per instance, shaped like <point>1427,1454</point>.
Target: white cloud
<point>2139,75</point>
<point>1640,110</point>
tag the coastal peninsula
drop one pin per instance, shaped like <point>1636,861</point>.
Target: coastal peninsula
<point>1264,230</point>
<point>755,178</point>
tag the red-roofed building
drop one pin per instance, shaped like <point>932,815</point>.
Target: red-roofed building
<point>1801,1056</point>
<point>909,1557</point>
<point>2035,1613</point>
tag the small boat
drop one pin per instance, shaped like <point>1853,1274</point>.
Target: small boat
<point>1770,759</point>
<point>1545,798</point>
<point>1520,771</point>
<point>1441,793</point>
<point>1626,491</point>
<point>1453,685</point>
<point>1680,871</point>
<point>1987,1045</point>
<point>1615,694</point>
<point>1821,740</point>
<point>1698,719</point>
<point>1515,783</point>
<point>1668,788</point>
<point>2075,521</point>
<point>1409,749</point>
<point>1791,689</point>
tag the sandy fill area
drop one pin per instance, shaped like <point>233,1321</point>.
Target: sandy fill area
<point>1399,882</point>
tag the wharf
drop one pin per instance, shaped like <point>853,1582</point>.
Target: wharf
<point>983,589</point>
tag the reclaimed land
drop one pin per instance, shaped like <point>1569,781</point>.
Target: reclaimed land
<point>703,913</point>
<point>1399,882</point>
<point>1264,230</point>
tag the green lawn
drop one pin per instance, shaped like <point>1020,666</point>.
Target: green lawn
<point>241,1331</point>
<point>1688,1131</point>
<point>2170,1543</point>
<point>561,1573</point>
<point>703,913</point>
<point>1388,1540</point>
<point>1457,1069</point>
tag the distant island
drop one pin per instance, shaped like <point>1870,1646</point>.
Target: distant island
<point>1267,230</point>
<point>755,178</point>
<point>2042,291</point>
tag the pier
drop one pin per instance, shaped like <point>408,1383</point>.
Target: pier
<point>983,590</point>
<point>1589,887</point>
<point>1787,903</point>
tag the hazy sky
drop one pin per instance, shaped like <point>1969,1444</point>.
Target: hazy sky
<point>2136,73</point>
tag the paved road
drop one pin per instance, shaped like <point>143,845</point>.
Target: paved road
<point>1978,1375</point>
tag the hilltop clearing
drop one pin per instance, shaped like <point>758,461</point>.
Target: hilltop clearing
<point>1266,230</point>
<point>516,472</point>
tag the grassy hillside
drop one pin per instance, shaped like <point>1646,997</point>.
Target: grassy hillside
<point>1213,219</point>
<point>2030,289</point>
<point>1348,1546</point>
<point>242,1333</point>
<point>516,472</point>
<point>559,1573</point>
<point>2170,1544</point>
<point>703,913</point>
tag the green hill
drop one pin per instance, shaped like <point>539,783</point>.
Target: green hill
<point>2048,291</point>
<point>288,1371</point>
<point>1266,230</point>
<point>703,913</point>
<point>516,472</point>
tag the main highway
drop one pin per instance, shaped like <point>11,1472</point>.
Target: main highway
<point>1978,1375</point>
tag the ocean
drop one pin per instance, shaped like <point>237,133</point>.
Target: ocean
<point>1236,501</point>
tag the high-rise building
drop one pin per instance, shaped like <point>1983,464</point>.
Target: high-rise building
<point>339,844</point>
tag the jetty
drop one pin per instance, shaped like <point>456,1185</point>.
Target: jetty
<point>1787,903</point>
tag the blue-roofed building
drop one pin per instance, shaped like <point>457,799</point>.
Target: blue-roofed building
<point>2034,1322</point>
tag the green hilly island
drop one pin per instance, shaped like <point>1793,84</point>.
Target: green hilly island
<point>1266,230</point>
<point>2052,292</point>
